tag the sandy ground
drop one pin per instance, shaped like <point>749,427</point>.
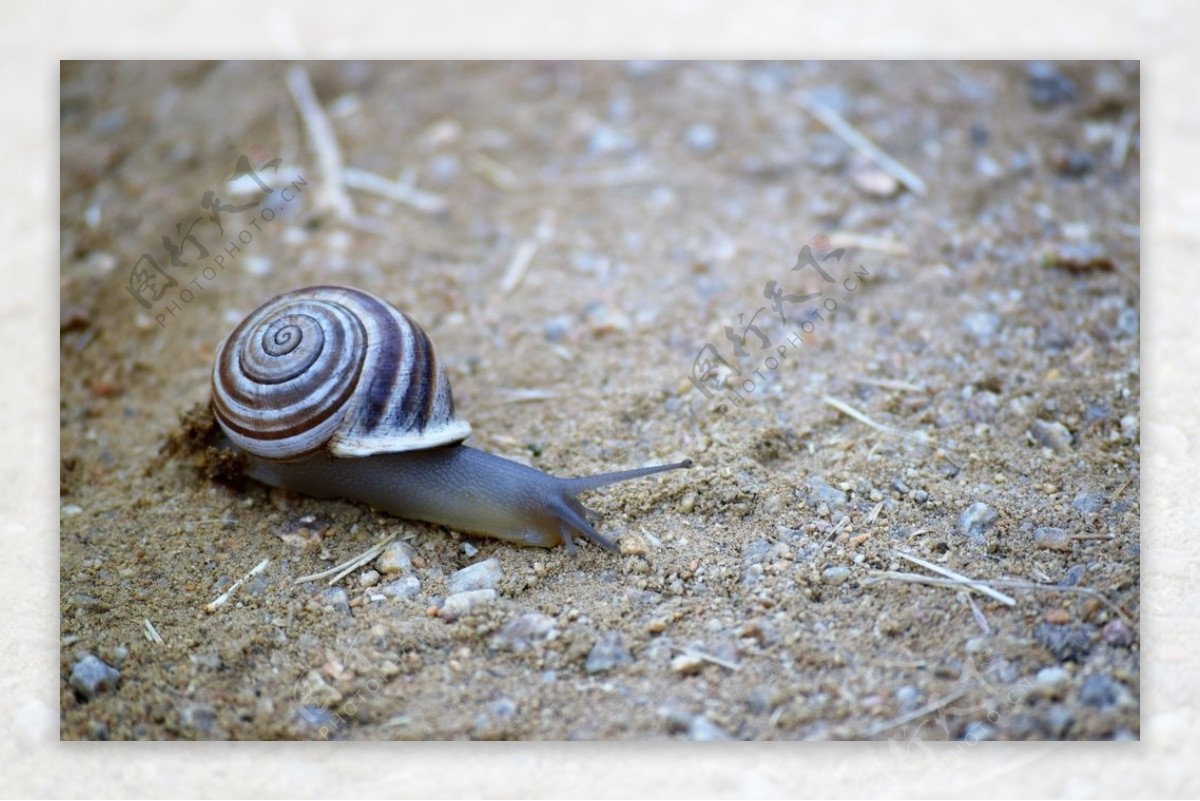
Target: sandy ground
<point>984,333</point>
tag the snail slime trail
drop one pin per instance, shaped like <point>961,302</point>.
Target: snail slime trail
<point>333,392</point>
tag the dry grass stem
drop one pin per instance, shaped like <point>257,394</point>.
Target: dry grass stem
<point>853,137</point>
<point>424,202</point>
<point>333,195</point>
<point>224,597</point>
<point>339,572</point>
<point>974,584</point>
<point>916,714</point>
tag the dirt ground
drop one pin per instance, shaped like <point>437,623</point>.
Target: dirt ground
<point>965,389</point>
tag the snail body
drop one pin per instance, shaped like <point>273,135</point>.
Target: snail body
<point>332,392</point>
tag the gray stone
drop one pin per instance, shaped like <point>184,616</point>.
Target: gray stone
<point>608,652</point>
<point>479,576</point>
<point>836,575</point>
<point>1100,691</point>
<point>408,588</point>
<point>701,729</point>
<point>460,603</point>
<point>336,598</point>
<point>520,633</point>
<point>1054,436</point>
<point>701,138</point>
<point>983,326</point>
<point>91,676</point>
<point>975,521</point>
<point>1065,642</point>
<point>1088,502</point>
<point>396,558</point>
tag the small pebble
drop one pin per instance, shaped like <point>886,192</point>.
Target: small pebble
<point>752,575</point>
<point>557,327</point>
<point>1047,85</point>
<point>703,730</point>
<point>977,730</point>
<point>632,545</point>
<point>606,140</point>
<point>369,578</point>
<point>687,664</point>
<point>520,633</point>
<point>1088,502</point>
<point>701,138</point>
<point>983,326</point>
<point>1100,691</point>
<point>822,492</point>
<point>1079,257</point>
<point>908,698</point>
<point>876,183</point>
<point>479,576</point>
<point>836,575</point>
<point>1071,162</point>
<point>1116,633</point>
<point>688,504</point>
<point>91,676</point>
<point>1052,539</point>
<point>975,521</point>
<point>503,709</point>
<point>336,598</point>
<point>1053,435</point>
<point>396,558</point>
<point>408,588</point>
<point>608,652</point>
<point>1065,642</point>
<point>460,603</point>
<point>444,168</point>
<point>1057,615</point>
<point>1072,577</point>
<point>1059,718</point>
<point>1050,678</point>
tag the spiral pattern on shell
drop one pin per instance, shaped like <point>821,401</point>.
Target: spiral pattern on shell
<point>332,368</point>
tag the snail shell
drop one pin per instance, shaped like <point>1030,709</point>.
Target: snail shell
<point>336,369</point>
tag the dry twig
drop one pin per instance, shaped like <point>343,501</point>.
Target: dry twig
<point>339,572</point>
<point>932,706</point>
<point>320,131</point>
<point>425,202</point>
<point>974,584</point>
<point>224,597</point>
<point>836,123</point>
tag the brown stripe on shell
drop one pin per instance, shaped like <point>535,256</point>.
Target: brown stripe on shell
<point>405,405</point>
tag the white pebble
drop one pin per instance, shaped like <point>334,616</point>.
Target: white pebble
<point>479,576</point>
<point>396,558</point>
<point>460,603</point>
<point>408,587</point>
<point>687,664</point>
<point>836,574</point>
<point>701,137</point>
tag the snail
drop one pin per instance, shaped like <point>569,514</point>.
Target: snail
<point>333,392</point>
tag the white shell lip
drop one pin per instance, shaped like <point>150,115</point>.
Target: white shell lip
<point>454,432</point>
